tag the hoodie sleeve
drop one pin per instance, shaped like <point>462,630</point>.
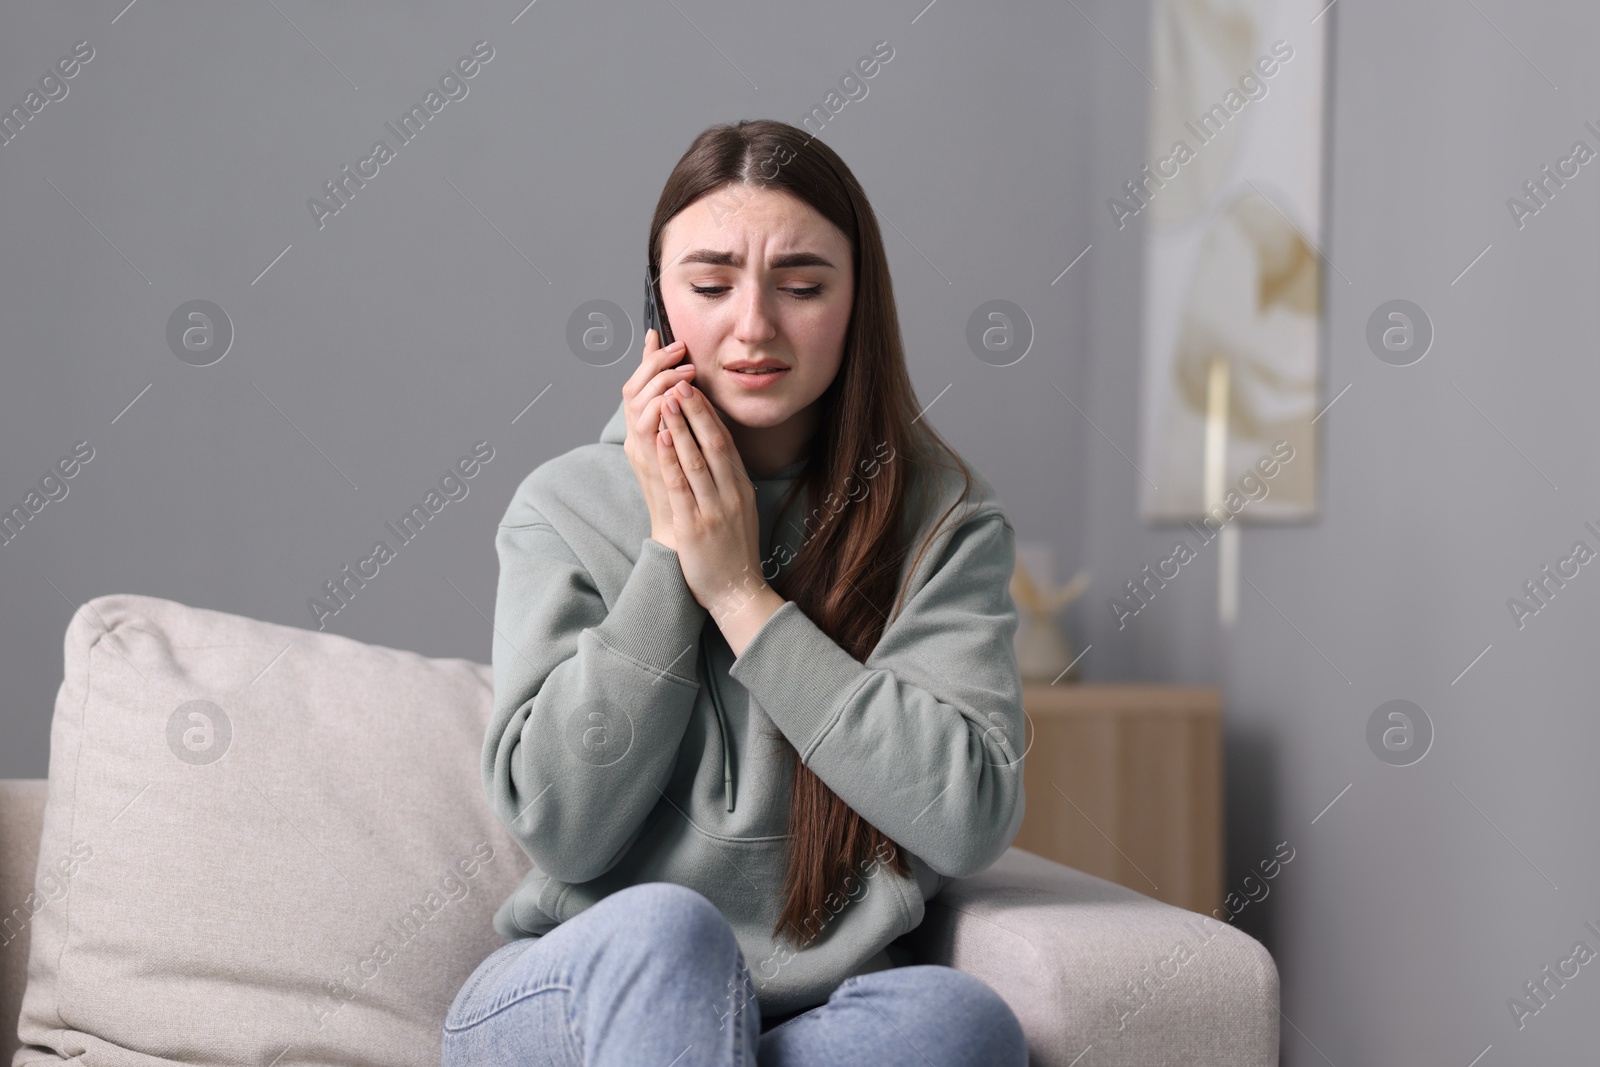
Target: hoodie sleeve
<point>925,739</point>
<point>590,705</point>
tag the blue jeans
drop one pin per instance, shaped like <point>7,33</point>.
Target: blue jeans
<point>652,976</point>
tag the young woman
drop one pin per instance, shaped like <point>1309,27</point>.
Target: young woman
<point>741,728</point>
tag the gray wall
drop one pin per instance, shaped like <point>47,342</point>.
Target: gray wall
<point>1415,907</point>
<point>381,346</point>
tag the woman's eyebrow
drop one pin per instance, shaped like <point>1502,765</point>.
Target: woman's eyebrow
<point>733,259</point>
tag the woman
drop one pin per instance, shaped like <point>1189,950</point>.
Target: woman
<point>743,733</point>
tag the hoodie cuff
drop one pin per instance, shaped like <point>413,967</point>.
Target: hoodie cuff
<point>656,620</point>
<point>799,675</point>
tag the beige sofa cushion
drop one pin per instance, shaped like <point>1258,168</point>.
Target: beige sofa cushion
<point>264,845</point>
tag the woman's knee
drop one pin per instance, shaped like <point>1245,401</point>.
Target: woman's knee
<point>669,914</point>
<point>670,925</point>
<point>667,902</point>
<point>961,992</point>
<point>513,973</point>
<point>949,997</point>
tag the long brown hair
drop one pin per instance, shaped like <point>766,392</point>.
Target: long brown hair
<point>849,565</point>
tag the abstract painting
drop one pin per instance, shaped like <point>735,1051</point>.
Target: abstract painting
<point>1230,203</point>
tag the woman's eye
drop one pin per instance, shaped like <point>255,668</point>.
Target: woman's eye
<point>711,292</point>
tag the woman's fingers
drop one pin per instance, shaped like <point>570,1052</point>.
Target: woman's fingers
<point>690,459</point>
<point>642,396</point>
<point>640,374</point>
<point>664,377</point>
<point>653,360</point>
<point>652,364</point>
<point>714,442</point>
<point>679,491</point>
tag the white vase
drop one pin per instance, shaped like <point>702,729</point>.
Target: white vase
<point>1042,650</point>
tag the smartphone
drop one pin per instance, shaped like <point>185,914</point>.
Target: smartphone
<point>655,315</point>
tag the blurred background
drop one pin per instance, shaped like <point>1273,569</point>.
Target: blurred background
<point>344,361</point>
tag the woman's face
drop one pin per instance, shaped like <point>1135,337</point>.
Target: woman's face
<point>757,275</point>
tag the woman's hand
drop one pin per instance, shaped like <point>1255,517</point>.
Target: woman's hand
<point>713,502</point>
<point>642,394</point>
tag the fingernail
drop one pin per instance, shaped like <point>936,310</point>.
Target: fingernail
<point>684,389</point>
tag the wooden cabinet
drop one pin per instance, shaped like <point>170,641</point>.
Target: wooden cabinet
<point>1125,782</point>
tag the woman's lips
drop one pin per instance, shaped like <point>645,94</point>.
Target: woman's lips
<point>757,380</point>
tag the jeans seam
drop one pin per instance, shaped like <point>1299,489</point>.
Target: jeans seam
<point>469,991</point>
<point>741,975</point>
<point>521,994</point>
<point>572,1028</point>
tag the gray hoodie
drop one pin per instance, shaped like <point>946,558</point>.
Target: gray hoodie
<point>628,744</point>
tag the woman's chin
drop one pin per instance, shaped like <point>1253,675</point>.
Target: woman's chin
<point>755,412</point>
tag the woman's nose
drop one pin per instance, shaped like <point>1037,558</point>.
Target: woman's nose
<point>755,322</point>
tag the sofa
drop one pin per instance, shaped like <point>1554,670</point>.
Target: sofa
<point>267,845</point>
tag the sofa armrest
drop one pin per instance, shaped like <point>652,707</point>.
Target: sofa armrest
<point>1087,963</point>
<point>21,819</point>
